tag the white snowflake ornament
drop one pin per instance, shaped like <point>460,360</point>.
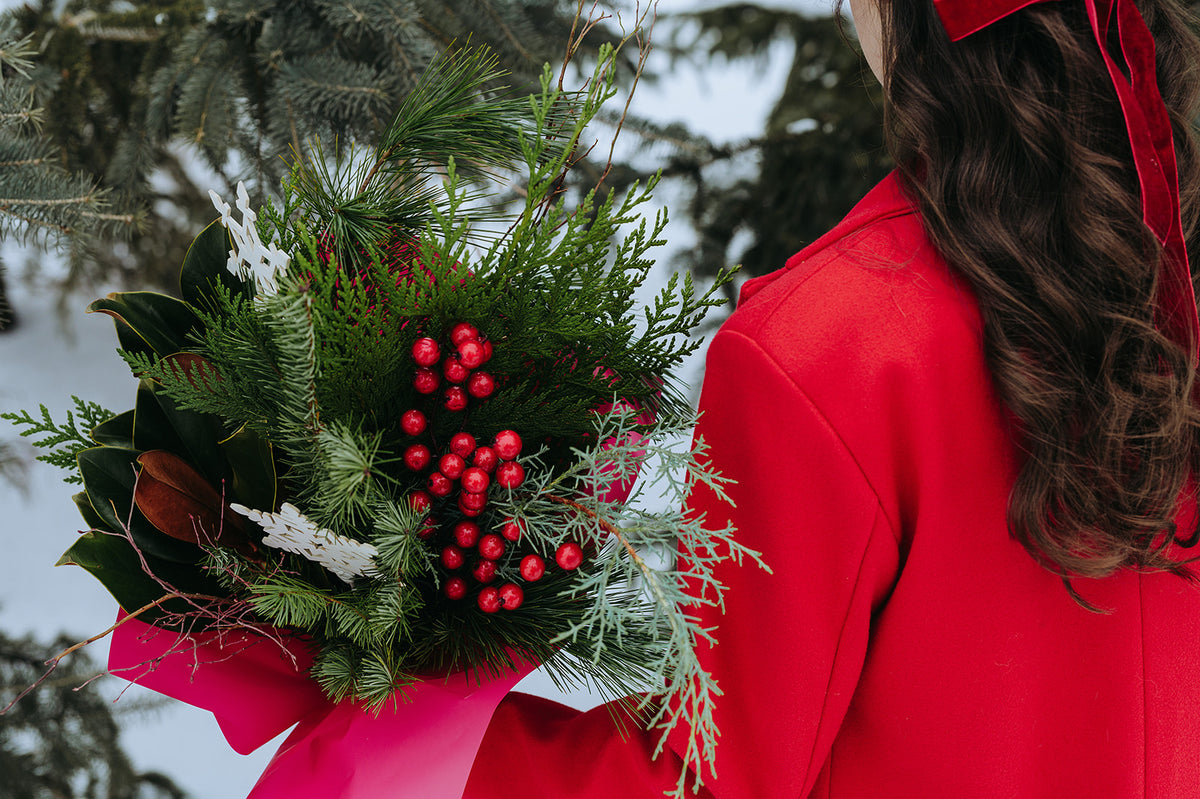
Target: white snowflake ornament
<point>250,259</point>
<point>290,531</point>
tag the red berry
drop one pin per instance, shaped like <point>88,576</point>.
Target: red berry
<point>440,485</point>
<point>481,385</point>
<point>462,444</point>
<point>466,534</point>
<point>511,530</point>
<point>533,567</point>
<point>470,513</point>
<point>507,445</point>
<point>451,465</point>
<point>426,380</point>
<point>511,596</point>
<point>569,556</point>
<point>487,350</point>
<point>485,458</point>
<point>413,422</point>
<point>475,480</point>
<point>426,352</point>
<point>428,528</point>
<point>454,371</point>
<point>420,501</point>
<point>472,500</point>
<point>417,457</point>
<point>491,546</point>
<point>510,474</point>
<point>489,600</point>
<point>463,331</point>
<point>470,353</point>
<point>453,557</point>
<point>456,398</point>
<point>455,588</point>
<point>484,571</point>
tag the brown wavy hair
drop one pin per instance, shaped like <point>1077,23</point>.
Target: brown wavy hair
<point>1014,146</point>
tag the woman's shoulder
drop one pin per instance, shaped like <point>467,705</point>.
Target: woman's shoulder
<point>873,293</point>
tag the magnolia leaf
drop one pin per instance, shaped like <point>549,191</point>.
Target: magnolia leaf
<point>181,503</point>
<point>109,475</point>
<point>115,432</point>
<point>151,427</point>
<point>162,424</point>
<point>252,460</point>
<point>204,265</point>
<point>113,561</point>
<point>162,322</point>
<point>90,517</point>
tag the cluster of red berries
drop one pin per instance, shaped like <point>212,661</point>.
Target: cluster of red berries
<point>466,467</point>
<point>460,369</point>
<point>470,469</point>
<point>491,548</point>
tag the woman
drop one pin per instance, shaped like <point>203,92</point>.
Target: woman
<point>962,425</point>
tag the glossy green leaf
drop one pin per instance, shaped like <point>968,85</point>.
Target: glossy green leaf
<point>90,517</point>
<point>204,264</point>
<point>109,475</point>
<point>161,424</point>
<point>115,432</point>
<point>162,322</point>
<point>152,428</point>
<point>112,561</point>
<point>252,460</point>
<point>198,433</point>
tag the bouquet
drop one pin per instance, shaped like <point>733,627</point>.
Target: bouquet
<point>392,435</point>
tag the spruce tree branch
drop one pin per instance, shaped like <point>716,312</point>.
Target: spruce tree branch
<point>5,204</point>
<point>20,116</point>
<point>507,32</point>
<point>125,219</point>
<point>29,220</point>
<point>291,115</point>
<point>107,34</point>
<point>26,162</point>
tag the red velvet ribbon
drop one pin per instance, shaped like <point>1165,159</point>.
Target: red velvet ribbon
<point>1149,127</point>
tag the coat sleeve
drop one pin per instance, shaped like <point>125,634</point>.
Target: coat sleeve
<point>791,643</point>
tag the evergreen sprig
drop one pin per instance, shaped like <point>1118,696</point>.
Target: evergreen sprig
<point>65,441</point>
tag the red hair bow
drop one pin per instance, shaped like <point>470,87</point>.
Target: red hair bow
<point>1149,128</point>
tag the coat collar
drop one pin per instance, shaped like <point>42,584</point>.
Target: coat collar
<point>888,199</point>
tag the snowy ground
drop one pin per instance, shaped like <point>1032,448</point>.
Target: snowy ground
<point>41,364</point>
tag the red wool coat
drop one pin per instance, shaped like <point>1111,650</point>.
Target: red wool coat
<point>905,645</point>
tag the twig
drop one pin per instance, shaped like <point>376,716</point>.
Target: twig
<point>54,661</point>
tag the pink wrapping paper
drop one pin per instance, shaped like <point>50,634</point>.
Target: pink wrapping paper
<point>621,489</point>
<point>422,748</point>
